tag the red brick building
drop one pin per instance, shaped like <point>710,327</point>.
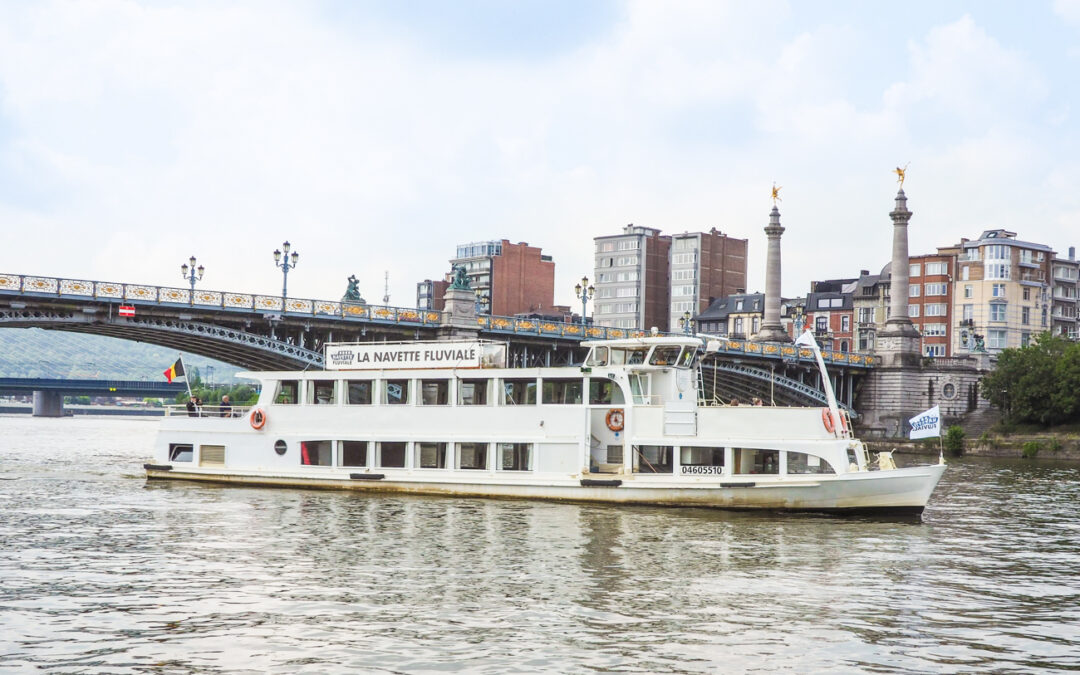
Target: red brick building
<point>508,278</point>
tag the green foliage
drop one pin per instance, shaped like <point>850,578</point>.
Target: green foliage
<point>1053,445</point>
<point>1031,449</point>
<point>1037,384</point>
<point>954,441</point>
<point>985,438</point>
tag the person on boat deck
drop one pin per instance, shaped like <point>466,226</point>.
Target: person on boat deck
<point>226,407</point>
<point>734,401</point>
<point>191,406</point>
<point>756,401</point>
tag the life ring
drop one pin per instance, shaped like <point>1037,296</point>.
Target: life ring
<point>258,418</point>
<point>615,419</point>
<point>827,420</point>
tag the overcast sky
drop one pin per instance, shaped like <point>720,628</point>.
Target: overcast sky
<point>378,136</point>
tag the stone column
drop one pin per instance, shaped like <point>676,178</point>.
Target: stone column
<point>48,404</point>
<point>459,319</point>
<point>771,328</point>
<point>898,342</point>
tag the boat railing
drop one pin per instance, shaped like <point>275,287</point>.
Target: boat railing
<point>236,411</point>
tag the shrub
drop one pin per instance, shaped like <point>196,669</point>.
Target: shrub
<point>954,440</point>
<point>1053,445</point>
<point>1031,449</point>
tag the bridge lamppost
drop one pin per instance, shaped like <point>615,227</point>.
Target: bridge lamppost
<point>483,303</point>
<point>686,322</point>
<point>584,292</point>
<point>285,266</point>
<point>192,274</point>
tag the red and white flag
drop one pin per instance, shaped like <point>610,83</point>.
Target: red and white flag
<point>127,310</point>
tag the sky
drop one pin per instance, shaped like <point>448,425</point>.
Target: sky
<point>377,136</point>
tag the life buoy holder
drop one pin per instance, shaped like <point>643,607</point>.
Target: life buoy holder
<point>827,420</point>
<point>615,419</point>
<point>258,419</point>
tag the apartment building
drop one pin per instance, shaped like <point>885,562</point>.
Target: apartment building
<point>1002,295</point>
<point>830,313</point>
<point>1066,276</point>
<point>930,291</point>
<point>508,278</point>
<point>704,266</point>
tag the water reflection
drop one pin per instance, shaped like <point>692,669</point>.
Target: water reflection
<point>103,571</point>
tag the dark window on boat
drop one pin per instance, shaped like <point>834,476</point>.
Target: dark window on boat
<point>472,455</point>
<point>396,392</point>
<point>614,454</point>
<point>515,456</point>
<point>321,392</point>
<point>359,392</point>
<point>431,455</point>
<point>392,455</point>
<point>800,462</point>
<point>354,453</point>
<point>665,356</point>
<point>622,355</point>
<point>604,392</point>
<point>701,455</point>
<point>519,392</point>
<point>597,357</point>
<point>316,453</point>
<point>654,458</point>
<point>562,391</point>
<point>434,392</point>
<point>288,392</point>
<point>473,392</point>
<point>686,360</point>
<point>181,452</point>
<point>757,461</point>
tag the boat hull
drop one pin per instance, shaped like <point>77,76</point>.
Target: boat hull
<point>897,491</point>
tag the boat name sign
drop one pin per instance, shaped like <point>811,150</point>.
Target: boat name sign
<point>409,355</point>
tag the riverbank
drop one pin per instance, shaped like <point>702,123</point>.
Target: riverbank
<point>1047,445</point>
<point>69,410</point>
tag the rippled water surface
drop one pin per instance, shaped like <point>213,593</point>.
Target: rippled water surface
<point>101,571</point>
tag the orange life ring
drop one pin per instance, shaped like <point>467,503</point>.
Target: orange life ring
<point>615,419</point>
<point>258,418</point>
<point>827,420</point>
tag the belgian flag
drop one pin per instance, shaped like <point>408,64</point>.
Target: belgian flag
<point>175,370</point>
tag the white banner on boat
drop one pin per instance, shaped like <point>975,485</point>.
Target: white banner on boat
<point>926,424</point>
<point>414,355</point>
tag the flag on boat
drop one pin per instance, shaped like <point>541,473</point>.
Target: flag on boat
<point>926,424</point>
<point>807,340</point>
<point>175,370</point>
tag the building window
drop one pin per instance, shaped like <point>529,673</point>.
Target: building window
<point>997,252</point>
<point>913,291</point>
<point>738,325</point>
<point>936,309</point>
<point>933,350</point>
<point>996,338</point>
<point>845,323</point>
<point>997,271</point>
<point>1025,316</point>
<point>913,311</point>
<point>1027,293</point>
<point>937,268</point>
<point>997,312</point>
<point>967,290</point>
<point>821,324</point>
<point>866,315</point>
<point>1025,339</point>
<point>968,313</point>
<point>998,290</point>
<point>915,270</point>
<point>935,289</point>
<point>964,272</point>
<point>933,329</point>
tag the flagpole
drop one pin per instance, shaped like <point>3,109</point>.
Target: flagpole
<point>187,380</point>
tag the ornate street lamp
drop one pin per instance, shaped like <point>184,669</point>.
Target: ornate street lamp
<point>192,274</point>
<point>584,292</point>
<point>686,322</point>
<point>483,303</point>
<point>285,266</point>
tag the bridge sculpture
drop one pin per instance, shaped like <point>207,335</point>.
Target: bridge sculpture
<point>262,332</point>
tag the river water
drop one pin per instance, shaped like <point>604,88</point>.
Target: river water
<point>102,571</point>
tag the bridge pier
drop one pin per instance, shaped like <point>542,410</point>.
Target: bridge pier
<point>48,404</point>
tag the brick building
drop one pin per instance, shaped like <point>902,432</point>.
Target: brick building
<point>508,279</point>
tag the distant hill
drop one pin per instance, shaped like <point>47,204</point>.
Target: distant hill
<point>33,352</point>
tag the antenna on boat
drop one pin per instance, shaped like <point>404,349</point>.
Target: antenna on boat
<point>386,288</point>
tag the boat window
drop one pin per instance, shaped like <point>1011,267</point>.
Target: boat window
<point>359,392</point>
<point>181,452</point>
<point>431,455</point>
<point>654,458</point>
<point>392,455</point>
<point>472,456</point>
<point>211,455</point>
<point>701,460</point>
<point>639,387</point>
<point>395,392</point>
<point>287,392</point>
<point>434,392</point>
<point>519,392</point>
<point>597,357</point>
<point>614,454</point>
<point>515,457</point>
<point>665,356</point>
<point>627,356</point>
<point>604,392</point>
<point>321,392</point>
<point>801,462</point>
<point>353,453</point>
<point>757,461</point>
<point>473,392</point>
<point>316,453</point>
<point>562,390</point>
<point>686,360</point>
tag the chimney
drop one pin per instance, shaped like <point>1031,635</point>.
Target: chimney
<point>1072,253</point>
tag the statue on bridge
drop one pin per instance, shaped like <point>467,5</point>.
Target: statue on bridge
<point>352,293</point>
<point>980,346</point>
<point>461,278</point>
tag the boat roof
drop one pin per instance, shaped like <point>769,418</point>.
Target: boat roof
<point>638,342</point>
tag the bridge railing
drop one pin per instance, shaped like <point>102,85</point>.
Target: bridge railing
<point>141,294</point>
<point>786,351</point>
<point>515,325</point>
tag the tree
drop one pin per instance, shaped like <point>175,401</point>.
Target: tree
<point>1027,382</point>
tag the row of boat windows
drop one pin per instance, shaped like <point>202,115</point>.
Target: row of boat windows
<point>479,456</point>
<point>662,355</point>
<point>437,391</point>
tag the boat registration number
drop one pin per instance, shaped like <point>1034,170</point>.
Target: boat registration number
<point>702,470</point>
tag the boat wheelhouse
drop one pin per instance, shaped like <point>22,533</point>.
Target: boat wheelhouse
<point>632,424</point>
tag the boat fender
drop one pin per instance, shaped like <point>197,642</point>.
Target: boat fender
<point>600,482</point>
<point>827,420</point>
<point>367,476</point>
<point>615,419</point>
<point>157,467</point>
<point>258,419</point>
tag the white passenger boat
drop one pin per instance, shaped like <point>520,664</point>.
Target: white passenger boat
<point>631,425</point>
